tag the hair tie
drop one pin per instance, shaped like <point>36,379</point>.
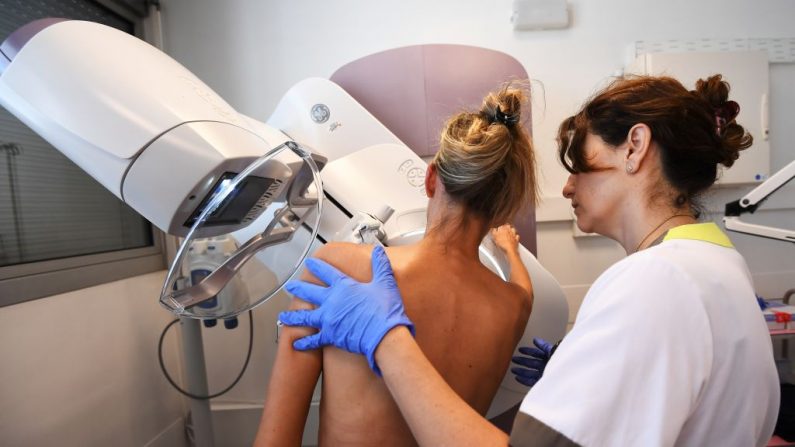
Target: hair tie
<point>725,114</point>
<point>507,120</point>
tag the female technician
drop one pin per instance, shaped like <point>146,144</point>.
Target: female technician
<point>668,348</point>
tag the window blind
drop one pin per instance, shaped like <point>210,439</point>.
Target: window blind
<point>49,208</point>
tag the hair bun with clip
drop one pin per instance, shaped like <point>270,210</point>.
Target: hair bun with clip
<point>503,118</point>
<point>724,115</point>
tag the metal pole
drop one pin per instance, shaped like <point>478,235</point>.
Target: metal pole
<point>196,378</point>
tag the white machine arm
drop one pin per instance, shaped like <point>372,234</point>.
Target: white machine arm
<point>751,201</point>
<point>163,142</point>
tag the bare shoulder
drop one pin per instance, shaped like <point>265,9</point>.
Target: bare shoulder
<point>351,259</point>
<point>510,294</point>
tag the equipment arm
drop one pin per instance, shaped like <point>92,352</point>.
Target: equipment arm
<point>751,201</point>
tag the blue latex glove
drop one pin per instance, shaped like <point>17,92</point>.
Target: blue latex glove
<point>350,315</point>
<point>762,303</point>
<point>535,362</point>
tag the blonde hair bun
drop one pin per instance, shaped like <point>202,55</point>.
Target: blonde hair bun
<point>486,160</point>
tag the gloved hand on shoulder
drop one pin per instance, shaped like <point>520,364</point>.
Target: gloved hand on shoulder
<point>350,315</point>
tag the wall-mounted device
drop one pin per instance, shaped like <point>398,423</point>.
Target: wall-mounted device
<point>531,15</point>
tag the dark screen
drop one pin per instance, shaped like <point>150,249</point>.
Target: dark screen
<point>236,205</point>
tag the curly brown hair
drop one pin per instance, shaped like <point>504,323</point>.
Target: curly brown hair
<point>695,130</point>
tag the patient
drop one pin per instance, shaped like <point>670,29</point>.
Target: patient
<point>468,326</point>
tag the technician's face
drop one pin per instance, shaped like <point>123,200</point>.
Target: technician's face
<point>596,196</point>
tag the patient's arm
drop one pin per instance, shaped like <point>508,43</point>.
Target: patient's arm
<point>506,238</point>
<point>292,382</point>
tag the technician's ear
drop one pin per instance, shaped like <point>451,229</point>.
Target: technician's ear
<point>430,180</point>
<point>639,142</point>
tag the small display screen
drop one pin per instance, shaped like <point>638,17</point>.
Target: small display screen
<point>236,205</point>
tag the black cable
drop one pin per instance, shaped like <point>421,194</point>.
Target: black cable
<point>196,396</point>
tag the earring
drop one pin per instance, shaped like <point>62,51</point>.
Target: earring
<point>630,168</point>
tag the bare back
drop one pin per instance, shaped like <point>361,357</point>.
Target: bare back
<point>468,322</point>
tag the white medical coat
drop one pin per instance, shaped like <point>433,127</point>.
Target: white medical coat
<point>669,349</point>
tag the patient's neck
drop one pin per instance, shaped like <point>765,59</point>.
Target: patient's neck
<point>453,231</point>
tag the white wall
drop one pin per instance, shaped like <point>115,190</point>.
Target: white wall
<point>252,51</point>
<point>80,369</point>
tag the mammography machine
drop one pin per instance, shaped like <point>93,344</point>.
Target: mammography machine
<point>322,168</point>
